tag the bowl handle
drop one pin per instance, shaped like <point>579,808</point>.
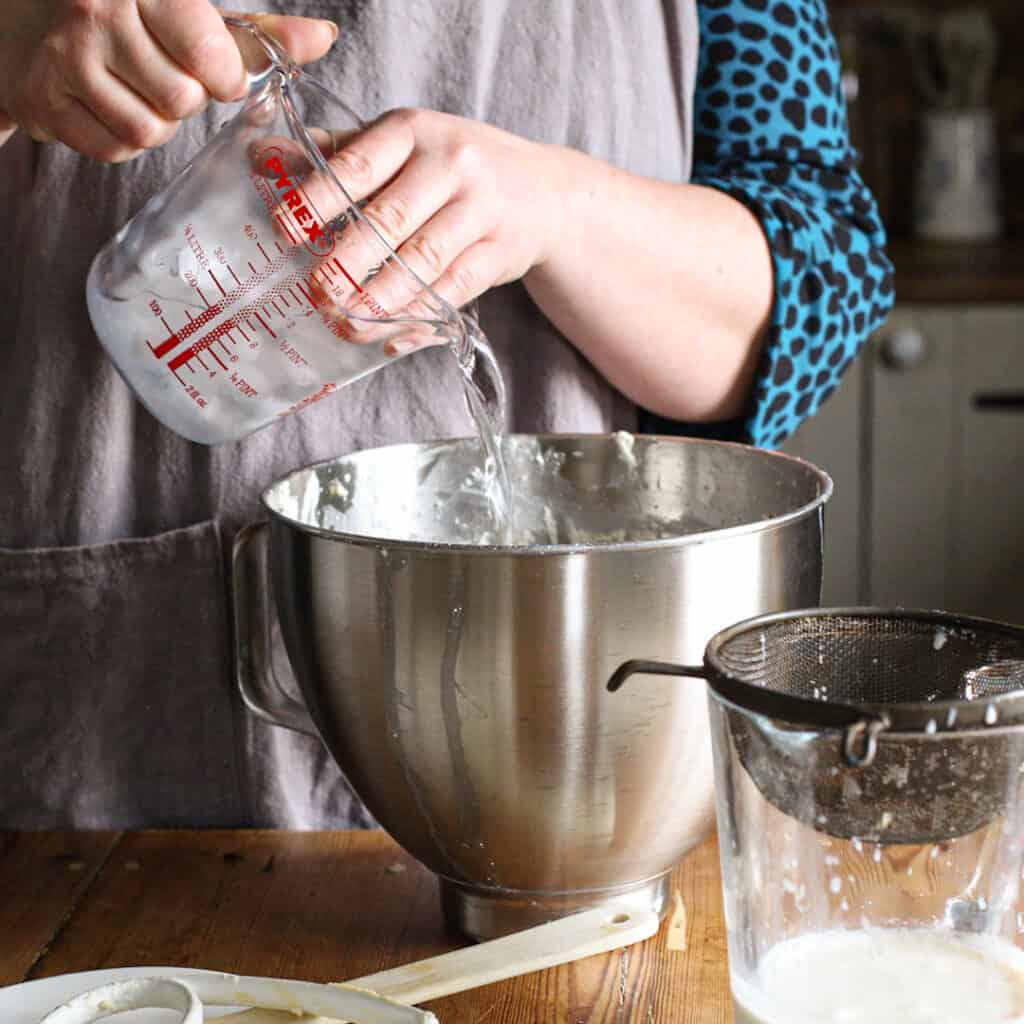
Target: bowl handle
<point>652,668</point>
<point>254,666</point>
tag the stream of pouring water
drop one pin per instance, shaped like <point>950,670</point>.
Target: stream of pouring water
<point>484,390</point>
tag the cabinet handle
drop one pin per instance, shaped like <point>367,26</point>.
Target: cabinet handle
<point>904,349</point>
<point>999,401</point>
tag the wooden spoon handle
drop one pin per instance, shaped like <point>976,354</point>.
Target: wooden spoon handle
<point>547,945</point>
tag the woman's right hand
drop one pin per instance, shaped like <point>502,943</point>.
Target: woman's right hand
<point>110,78</point>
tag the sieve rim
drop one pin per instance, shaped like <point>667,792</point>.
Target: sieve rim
<point>908,719</point>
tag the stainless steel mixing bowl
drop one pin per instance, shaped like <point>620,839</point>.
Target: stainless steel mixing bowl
<point>461,687</point>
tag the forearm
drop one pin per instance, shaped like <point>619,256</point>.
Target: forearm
<point>666,288</point>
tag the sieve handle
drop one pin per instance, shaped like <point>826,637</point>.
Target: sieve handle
<point>652,668</point>
<point>254,665</point>
<point>861,729</point>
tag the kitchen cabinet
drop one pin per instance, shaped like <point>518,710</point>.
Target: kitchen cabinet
<point>925,441</point>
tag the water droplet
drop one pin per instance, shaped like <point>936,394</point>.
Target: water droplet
<point>951,718</point>
<point>835,885</point>
<point>931,727</point>
<point>991,714</point>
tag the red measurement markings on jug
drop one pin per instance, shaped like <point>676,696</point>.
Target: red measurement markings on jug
<point>194,393</point>
<point>292,354</point>
<point>286,199</point>
<point>242,385</point>
<point>287,202</point>
<point>327,389</point>
<point>170,347</point>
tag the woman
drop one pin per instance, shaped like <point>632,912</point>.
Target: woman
<point>658,207</point>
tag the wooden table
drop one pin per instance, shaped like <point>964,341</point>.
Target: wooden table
<point>324,907</point>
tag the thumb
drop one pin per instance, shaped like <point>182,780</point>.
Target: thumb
<point>304,39</point>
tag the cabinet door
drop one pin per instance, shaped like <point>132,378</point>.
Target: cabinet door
<point>908,433</point>
<point>832,441</point>
<point>986,553</point>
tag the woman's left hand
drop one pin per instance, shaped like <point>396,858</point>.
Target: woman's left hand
<point>467,206</point>
<point>665,288</point>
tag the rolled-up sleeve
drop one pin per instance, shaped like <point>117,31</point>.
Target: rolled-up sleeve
<point>771,132</point>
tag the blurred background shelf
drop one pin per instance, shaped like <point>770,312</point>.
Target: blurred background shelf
<point>957,274</point>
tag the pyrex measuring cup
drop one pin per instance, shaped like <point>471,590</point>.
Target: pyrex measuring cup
<point>252,286</point>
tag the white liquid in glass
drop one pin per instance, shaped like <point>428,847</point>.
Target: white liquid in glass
<point>885,977</point>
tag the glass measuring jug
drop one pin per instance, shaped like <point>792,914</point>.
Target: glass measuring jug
<point>252,286</point>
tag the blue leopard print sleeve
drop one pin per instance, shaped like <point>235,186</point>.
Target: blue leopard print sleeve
<point>770,131</point>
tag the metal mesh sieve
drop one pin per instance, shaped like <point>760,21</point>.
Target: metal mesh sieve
<point>889,726</point>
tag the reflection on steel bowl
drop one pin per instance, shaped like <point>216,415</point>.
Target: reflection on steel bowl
<point>460,684</point>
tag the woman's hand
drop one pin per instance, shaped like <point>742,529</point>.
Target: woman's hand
<point>466,205</point>
<point>665,288</point>
<point>110,78</point>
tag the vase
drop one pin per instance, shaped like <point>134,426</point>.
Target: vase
<point>956,196</point>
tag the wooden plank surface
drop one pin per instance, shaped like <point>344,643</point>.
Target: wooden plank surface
<point>43,878</point>
<point>331,906</point>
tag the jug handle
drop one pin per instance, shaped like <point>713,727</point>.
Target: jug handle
<point>257,683</point>
<point>272,49</point>
<point>654,668</point>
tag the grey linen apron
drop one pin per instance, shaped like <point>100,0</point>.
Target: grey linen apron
<point>118,709</point>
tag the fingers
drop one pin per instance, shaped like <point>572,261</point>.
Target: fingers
<point>130,71</point>
<point>76,126</point>
<point>304,39</point>
<point>367,162</point>
<point>428,253</point>
<point>125,114</point>
<point>197,40</point>
<point>364,163</point>
<point>475,270</point>
<point>417,206</point>
<point>135,57</point>
<point>396,213</point>
<point>447,261</point>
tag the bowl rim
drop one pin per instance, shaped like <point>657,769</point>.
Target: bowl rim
<point>825,491</point>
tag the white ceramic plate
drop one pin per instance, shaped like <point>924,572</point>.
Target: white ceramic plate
<point>30,1001</point>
